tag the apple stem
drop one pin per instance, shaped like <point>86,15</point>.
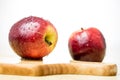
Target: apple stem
<point>82,29</point>
<point>47,41</point>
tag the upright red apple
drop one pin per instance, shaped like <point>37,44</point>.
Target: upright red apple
<point>33,37</point>
<point>87,45</point>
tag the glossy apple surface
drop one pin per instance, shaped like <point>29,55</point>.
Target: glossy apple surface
<point>87,45</point>
<point>33,37</point>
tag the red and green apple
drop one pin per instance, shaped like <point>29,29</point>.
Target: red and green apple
<point>87,45</point>
<point>33,37</point>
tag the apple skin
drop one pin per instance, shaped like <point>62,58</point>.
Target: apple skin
<point>87,45</point>
<point>33,37</point>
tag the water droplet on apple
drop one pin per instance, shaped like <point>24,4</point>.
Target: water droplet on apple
<point>29,29</point>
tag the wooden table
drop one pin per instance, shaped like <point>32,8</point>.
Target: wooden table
<point>61,77</point>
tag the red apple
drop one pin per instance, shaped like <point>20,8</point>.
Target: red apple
<point>33,37</point>
<point>87,45</point>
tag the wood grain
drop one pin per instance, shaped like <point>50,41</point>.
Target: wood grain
<point>37,68</point>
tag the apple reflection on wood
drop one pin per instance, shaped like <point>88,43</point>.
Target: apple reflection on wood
<point>33,37</point>
<point>87,45</point>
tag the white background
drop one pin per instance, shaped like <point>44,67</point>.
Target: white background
<point>67,16</point>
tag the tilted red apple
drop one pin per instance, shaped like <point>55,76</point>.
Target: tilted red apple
<point>33,37</point>
<point>87,45</point>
